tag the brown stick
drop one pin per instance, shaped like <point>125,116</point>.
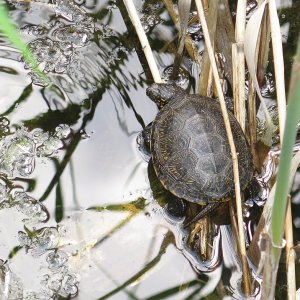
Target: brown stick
<point>143,40</point>
<point>204,87</point>
<point>238,64</point>
<point>290,254</point>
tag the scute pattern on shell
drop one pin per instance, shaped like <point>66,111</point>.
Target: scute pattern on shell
<point>191,153</point>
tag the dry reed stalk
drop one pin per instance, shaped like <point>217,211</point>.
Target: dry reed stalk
<point>238,64</point>
<point>290,253</point>
<point>245,268</point>
<point>184,7</point>
<point>143,40</point>
<point>233,221</point>
<point>188,43</point>
<point>263,47</point>
<point>252,123</point>
<point>225,38</point>
<point>251,47</point>
<point>278,65</point>
<point>204,86</point>
<point>261,64</point>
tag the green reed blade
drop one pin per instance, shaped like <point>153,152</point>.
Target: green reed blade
<point>282,188</point>
<point>10,31</point>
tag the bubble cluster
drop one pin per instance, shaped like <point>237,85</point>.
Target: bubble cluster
<point>56,42</point>
<point>49,147</point>
<point>58,282</point>
<point>19,150</point>
<point>39,241</point>
<point>149,22</point>
<point>54,55</point>
<point>63,283</point>
<point>32,208</point>
<point>77,36</point>
<point>182,78</point>
<point>56,260</point>
<point>150,16</point>
<point>34,30</point>
<point>17,154</point>
<point>62,131</point>
<point>4,126</point>
<point>69,11</point>
<point>195,31</point>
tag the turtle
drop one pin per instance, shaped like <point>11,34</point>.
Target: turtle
<point>190,151</point>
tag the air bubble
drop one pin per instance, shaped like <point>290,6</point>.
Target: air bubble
<point>69,11</point>
<point>195,32</point>
<point>4,126</point>
<point>34,30</point>
<point>149,22</point>
<point>40,136</point>
<point>32,208</point>
<point>40,241</point>
<point>56,260</point>
<point>77,36</point>
<point>71,285</point>
<point>17,154</point>
<point>50,146</point>
<point>62,131</point>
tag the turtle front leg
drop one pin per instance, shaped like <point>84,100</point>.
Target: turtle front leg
<point>143,142</point>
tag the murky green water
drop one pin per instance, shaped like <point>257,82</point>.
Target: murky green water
<point>77,213</point>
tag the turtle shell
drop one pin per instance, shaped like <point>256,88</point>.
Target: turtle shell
<point>191,153</point>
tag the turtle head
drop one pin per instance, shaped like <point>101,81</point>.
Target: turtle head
<point>162,93</point>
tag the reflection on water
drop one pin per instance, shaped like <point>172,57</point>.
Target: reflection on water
<point>77,215</point>
<point>70,146</point>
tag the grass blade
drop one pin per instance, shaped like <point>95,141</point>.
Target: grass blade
<point>10,31</point>
<point>285,164</point>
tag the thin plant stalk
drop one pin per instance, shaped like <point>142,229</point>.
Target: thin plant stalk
<point>239,64</point>
<point>252,123</point>
<point>290,253</point>
<point>184,7</point>
<point>252,34</point>
<point>143,40</point>
<point>205,83</point>
<point>246,279</point>
<point>278,65</point>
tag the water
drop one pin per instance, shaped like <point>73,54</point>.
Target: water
<point>76,208</point>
